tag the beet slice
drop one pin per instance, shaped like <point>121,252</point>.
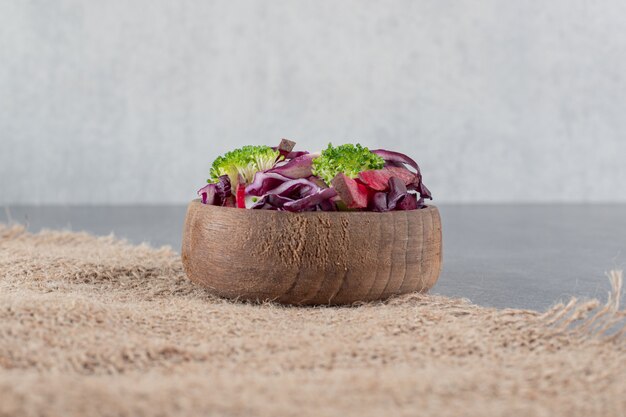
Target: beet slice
<point>353,194</point>
<point>378,179</point>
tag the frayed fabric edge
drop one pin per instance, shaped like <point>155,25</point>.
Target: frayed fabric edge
<point>589,319</point>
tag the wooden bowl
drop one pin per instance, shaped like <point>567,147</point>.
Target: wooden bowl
<point>312,257</point>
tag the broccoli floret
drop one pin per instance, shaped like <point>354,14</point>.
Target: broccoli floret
<point>245,162</point>
<point>348,159</point>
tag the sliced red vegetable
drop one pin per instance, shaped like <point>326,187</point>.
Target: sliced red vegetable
<point>394,158</point>
<point>295,154</point>
<point>215,194</point>
<point>379,202</point>
<point>265,181</point>
<point>409,202</point>
<point>223,190</point>
<point>328,205</point>
<point>353,194</point>
<point>207,193</point>
<point>273,183</point>
<point>424,191</point>
<point>391,156</point>
<point>299,167</point>
<point>378,179</point>
<point>397,192</point>
<point>301,186</point>
<point>310,201</point>
<point>271,202</point>
<point>241,195</point>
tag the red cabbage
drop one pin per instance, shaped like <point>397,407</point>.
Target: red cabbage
<point>216,194</point>
<point>223,189</point>
<point>328,205</point>
<point>208,194</point>
<point>379,202</point>
<point>423,191</point>
<point>263,182</point>
<point>295,154</point>
<point>397,198</point>
<point>410,202</point>
<point>310,201</point>
<point>391,156</point>
<point>271,202</point>
<point>300,186</point>
<point>274,183</point>
<point>397,191</point>
<point>299,167</point>
<point>395,158</point>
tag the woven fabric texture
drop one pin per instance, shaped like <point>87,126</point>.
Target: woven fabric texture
<point>94,326</point>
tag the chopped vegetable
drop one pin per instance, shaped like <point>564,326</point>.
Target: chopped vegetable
<point>230,201</point>
<point>311,200</point>
<point>379,179</point>
<point>299,167</point>
<point>345,177</point>
<point>207,193</point>
<point>264,182</point>
<point>243,162</point>
<point>271,202</point>
<point>285,147</point>
<point>348,159</point>
<point>301,187</point>
<point>241,196</point>
<point>379,202</point>
<point>217,193</point>
<point>353,194</point>
<point>398,159</point>
<point>397,191</point>
<point>410,202</point>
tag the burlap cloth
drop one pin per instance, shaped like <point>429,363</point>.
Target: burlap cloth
<point>96,326</point>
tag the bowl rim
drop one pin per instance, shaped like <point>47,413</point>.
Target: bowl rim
<point>428,208</point>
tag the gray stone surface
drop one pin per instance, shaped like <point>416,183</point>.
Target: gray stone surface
<point>114,102</point>
<point>496,255</point>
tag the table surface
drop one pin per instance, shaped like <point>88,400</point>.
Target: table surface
<point>517,256</point>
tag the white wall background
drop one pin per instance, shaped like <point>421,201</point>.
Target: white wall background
<point>129,101</point>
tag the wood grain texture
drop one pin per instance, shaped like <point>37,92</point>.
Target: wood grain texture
<point>313,257</point>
